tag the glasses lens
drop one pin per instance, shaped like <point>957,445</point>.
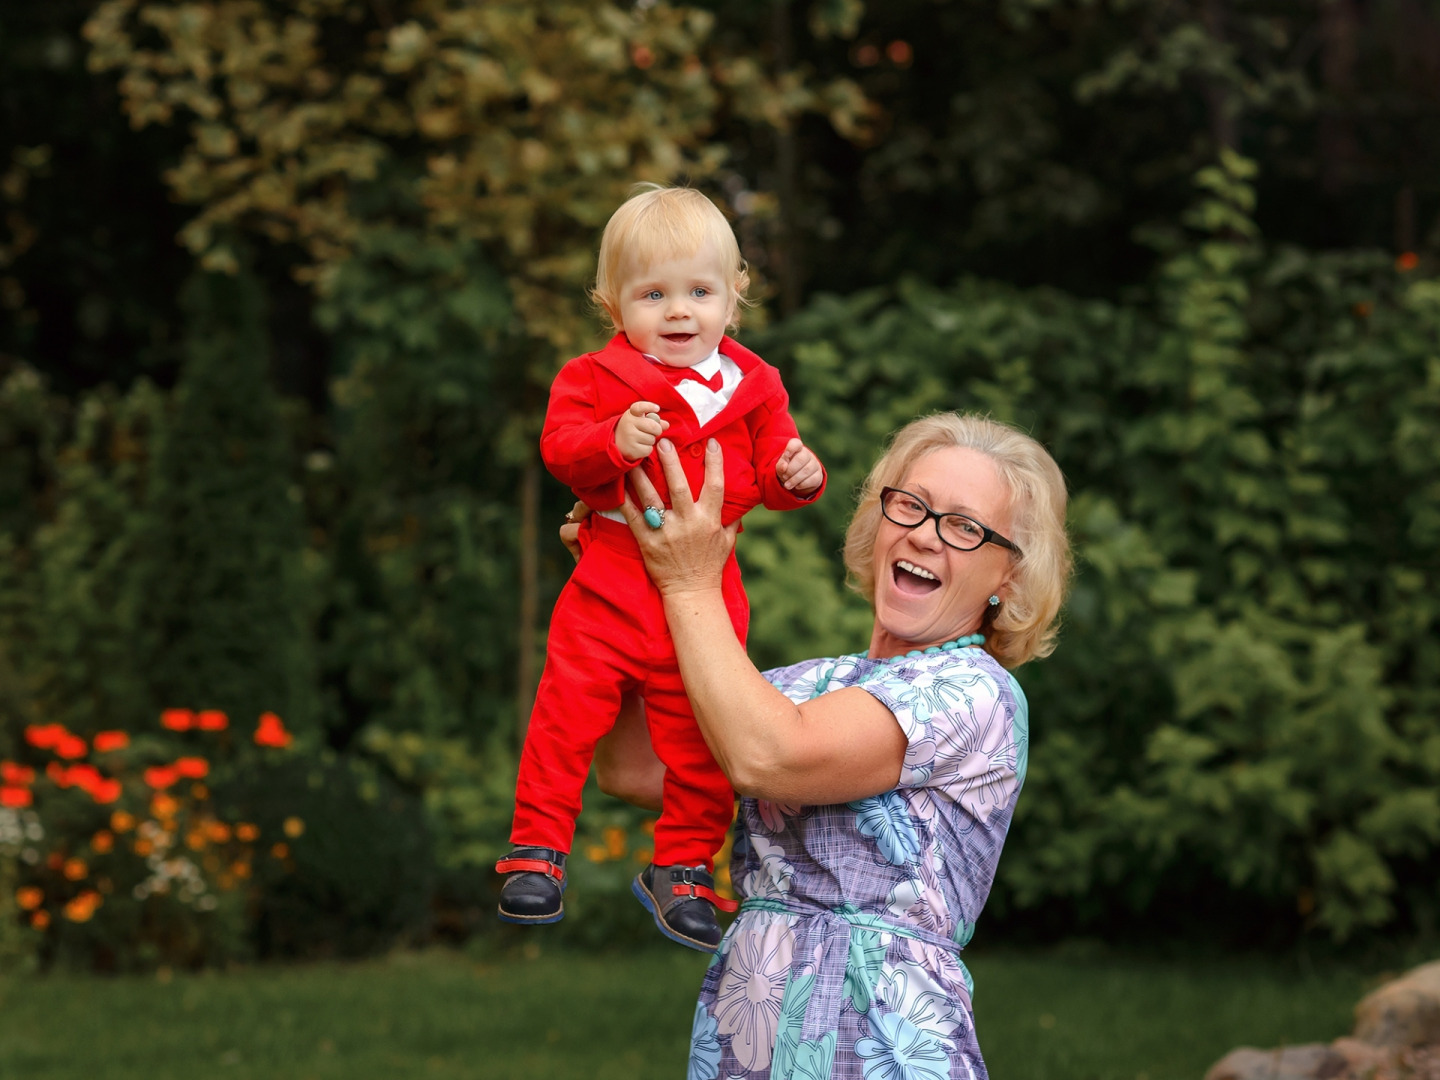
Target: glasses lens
<point>902,508</point>
<point>961,532</point>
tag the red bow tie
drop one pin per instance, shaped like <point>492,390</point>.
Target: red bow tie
<point>677,374</point>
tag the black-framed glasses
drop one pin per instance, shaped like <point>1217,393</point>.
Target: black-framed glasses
<point>955,530</point>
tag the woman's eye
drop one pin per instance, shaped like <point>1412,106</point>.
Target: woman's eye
<point>966,527</point>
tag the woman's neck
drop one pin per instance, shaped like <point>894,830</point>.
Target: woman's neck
<point>886,646</point>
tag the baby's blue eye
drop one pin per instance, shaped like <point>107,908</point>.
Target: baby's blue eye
<point>654,294</point>
<point>699,292</point>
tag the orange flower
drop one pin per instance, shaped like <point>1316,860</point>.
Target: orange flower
<point>39,919</point>
<point>16,797</point>
<point>45,736</point>
<point>247,833</point>
<point>143,848</point>
<point>195,839</point>
<point>163,805</point>
<point>211,720</point>
<point>82,908</point>
<point>280,850</point>
<point>29,897</point>
<point>71,747</point>
<point>177,719</point>
<point>615,842</point>
<point>161,777</point>
<point>106,741</point>
<point>199,791</point>
<point>192,768</point>
<point>106,791</point>
<point>102,842</point>
<point>217,831</point>
<point>75,869</point>
<point>294,827</point>
<point>121,821</point>
<point>55,860</point>
<point>271,732</point>
<point>1407,261</point>
<point>11,773</point>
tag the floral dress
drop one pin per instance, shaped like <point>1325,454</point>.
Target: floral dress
<point>844,961</point>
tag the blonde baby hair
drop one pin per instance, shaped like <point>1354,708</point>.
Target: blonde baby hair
<point>657,224</point>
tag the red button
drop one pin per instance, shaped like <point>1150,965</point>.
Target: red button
<point>697,450</point>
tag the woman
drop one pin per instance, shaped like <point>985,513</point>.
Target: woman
<point>876,788</point>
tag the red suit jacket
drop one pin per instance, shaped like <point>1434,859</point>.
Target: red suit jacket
<point>593,391</point>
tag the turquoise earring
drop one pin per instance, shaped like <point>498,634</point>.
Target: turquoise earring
<point>994,601</point>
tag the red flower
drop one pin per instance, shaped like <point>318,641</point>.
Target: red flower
<point>71,747</point>
<point>192,768</point>
<point>105,741</point>
<point>11,773</point>
<point>45,736</point>
<point>106,791</point>
<point>271,732</point>
<point>177,719</point>
<point>15,797</point>
<point>85,777</point>
<point>58,773</point>
<point>1407,261</point>
<point>211,720</point>
<point>161,777</point>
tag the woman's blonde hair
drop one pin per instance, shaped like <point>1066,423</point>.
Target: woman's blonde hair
<point>657,224</point>
<point>1024,626</point>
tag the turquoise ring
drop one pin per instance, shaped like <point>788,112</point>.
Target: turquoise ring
<point>654,517</point>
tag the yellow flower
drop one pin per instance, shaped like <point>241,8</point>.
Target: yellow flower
<point>596,853</point>
<point>294,827</point>
<point>121,822</point>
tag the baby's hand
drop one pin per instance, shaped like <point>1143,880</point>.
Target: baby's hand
<point>798,468</point>
<point>638,430</point>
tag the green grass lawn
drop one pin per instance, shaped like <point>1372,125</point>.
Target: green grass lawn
<point>446,1016</point>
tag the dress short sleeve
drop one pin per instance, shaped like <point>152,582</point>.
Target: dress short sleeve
<point>966,725</point>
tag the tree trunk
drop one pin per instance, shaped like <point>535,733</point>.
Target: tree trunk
<point>525,631</point>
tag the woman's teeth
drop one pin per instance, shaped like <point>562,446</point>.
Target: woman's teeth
<point>918,571</point>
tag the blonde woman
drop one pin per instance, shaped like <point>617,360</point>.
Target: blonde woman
<point>877,788</point>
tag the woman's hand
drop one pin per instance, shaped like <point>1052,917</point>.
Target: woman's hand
<point>688,552</point>
<point>570,531</point>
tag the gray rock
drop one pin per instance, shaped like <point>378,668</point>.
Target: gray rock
<point>1405,1012</point>
<point>1313,1061</point>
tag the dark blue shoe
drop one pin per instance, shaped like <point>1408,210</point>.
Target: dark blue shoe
<point>683,901</point>
<point>531,895</point>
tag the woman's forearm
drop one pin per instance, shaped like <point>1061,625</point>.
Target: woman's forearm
<point>747,723</point>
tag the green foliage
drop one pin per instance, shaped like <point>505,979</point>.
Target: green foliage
<point>1239,703</point>
<point>225,597</point>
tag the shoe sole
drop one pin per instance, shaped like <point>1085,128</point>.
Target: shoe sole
<point>532,920</point>
<point>648,900</point>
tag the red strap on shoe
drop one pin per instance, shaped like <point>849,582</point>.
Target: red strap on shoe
<point>534,866</point>
<point>704,893</point>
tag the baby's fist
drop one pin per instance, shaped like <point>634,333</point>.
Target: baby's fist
<point>638,429</point>
<point>798,468</point>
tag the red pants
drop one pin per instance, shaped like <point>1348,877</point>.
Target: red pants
<point>608,635</point>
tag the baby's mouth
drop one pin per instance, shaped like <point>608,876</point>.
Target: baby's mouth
<point>678,339</point>
<point>912,579</point>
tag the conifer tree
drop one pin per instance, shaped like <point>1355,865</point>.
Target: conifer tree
<point>226,615</point>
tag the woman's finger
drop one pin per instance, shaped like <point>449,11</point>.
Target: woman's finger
<point>712,495</point>
<point>644,492</point>
<point>675,480</point>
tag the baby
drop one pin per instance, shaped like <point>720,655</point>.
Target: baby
<point>671,280</point>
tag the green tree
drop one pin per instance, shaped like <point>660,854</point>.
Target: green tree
<point>224,591</point>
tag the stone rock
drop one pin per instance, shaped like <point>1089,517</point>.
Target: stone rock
<point>1402,1013</point>
<point>1362,1058</point>
<point>1313,1061</point>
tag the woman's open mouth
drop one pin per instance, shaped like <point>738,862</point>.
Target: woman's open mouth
<point>912,580</point>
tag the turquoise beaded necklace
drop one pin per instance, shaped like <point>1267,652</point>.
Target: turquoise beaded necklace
<point>950,646</point>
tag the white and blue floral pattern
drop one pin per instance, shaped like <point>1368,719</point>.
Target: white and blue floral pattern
<point>844,962</point>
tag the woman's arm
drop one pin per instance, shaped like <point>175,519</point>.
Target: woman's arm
<point>842,746</point>
<point>625,763</point>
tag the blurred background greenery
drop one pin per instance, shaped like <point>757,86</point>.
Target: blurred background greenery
<point>282,286</point>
